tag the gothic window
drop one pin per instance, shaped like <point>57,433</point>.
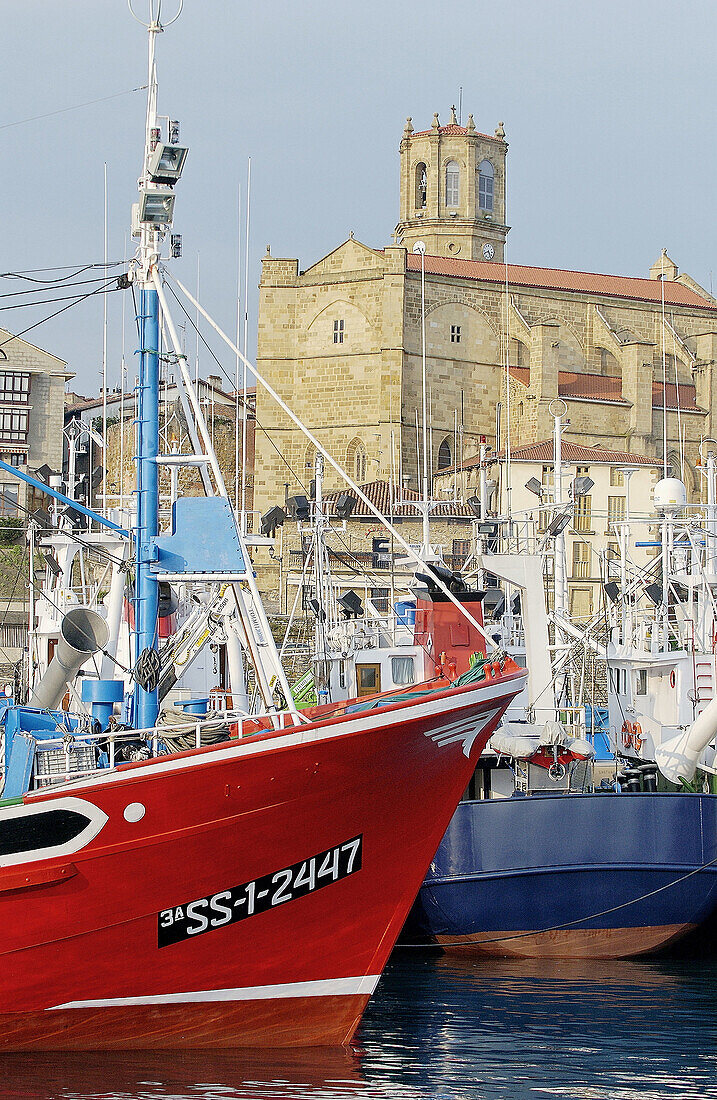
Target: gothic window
<point>486,181</point>
<point>339,332</point>
<point>421,186</point>
<point>444,455</point>
<point>356,460</point>
<point>452,183</point>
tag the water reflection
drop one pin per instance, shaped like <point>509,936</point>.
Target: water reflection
<point>525,1027</point>
<point>441,1029</point>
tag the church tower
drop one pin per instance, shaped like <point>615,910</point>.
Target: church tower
<point>453,190</point>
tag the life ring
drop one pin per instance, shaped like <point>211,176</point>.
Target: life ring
<point>673,678</point>
<point>632,735</point>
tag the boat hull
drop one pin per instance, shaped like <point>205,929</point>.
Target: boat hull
<point>248,894</point>
<point>578,875</point>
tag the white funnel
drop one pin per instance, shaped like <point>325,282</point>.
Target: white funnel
<point>82,633</point>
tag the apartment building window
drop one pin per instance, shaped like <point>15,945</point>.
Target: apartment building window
<point>460,552</point>
<point>582,514</point>
<point>339,331</point>
<point>14,388</point>
<point>581,603</point>
<point>455,334</point>
<point>8,499</point>
<point>615,510</point>
<point>16,459</point>
<point>581,560</point>
<point>617,478</point>
<point>13,427</point>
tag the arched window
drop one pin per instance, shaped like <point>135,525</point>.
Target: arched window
<point>444,455</point>
<point>452,183</point>
<point>421,186</point>
<point>356,460</point>
<point>486,181</point>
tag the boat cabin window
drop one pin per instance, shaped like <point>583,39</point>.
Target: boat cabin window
<point>641,681</point>
<point>402,670</point>
<point>368,680</point>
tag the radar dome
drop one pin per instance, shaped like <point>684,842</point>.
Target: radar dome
<point>670,495</point>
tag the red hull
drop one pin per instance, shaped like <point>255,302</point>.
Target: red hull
<point>241,908</point>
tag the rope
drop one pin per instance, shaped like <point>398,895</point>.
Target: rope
<point>580,920</point>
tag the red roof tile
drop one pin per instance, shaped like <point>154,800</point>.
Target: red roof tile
<point>599,387</point>
<point>454,130</point>
<point>571,452</point>
<point>547,278</point>
<point>687,395</point>
<point>379,493</point>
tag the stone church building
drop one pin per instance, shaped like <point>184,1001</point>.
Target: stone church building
<point>341,341</point>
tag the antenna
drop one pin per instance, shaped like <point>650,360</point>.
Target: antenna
<point>155,12</point>
<point>460,105</point>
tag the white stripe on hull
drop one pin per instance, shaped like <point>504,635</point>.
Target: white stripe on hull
<point>332,987</point>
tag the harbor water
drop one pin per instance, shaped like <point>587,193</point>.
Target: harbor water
<point>441,1029</point>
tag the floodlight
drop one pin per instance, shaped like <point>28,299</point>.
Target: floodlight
<point>582,485</point>
<point>474,505</point>
<point>156,207</point>
<point>317,610</point>
<point>344,505</point>
<point>534,486</point>
<point>297,507</point>
<point>612,591</point>
<point>44,473</point>
<point>350,604</point>
<point>490,530</point>
<point>166,163</point>
<point>654,593</point>
<point>42,518</point>
<point>559,524</point>
<point>271,520</point>
<point>53,565</point>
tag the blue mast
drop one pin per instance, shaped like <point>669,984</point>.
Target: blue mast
<point>152,218</point>
<point>147,526</point>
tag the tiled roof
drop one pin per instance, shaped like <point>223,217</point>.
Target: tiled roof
<point>379,493</point>
<point>600,387</point>
<point>571,452</point>
<point>452,129</point>
<point>548,278</point>
<point>596,386</point>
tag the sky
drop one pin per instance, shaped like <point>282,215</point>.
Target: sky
<point>609,112</point>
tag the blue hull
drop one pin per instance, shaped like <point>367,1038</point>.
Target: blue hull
<point>595,875</point>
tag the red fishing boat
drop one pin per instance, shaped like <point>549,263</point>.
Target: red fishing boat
<point>243,892</point>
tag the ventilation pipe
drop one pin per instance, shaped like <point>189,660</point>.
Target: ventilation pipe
<point>677,757</point>
<point>82,633</point>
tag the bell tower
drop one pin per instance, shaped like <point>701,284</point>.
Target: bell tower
<point>453,190</point>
